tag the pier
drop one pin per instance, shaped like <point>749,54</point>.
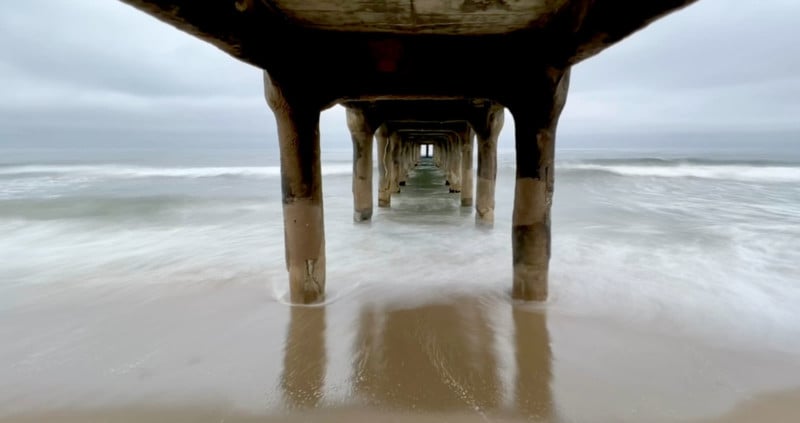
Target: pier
<point>430,72</point>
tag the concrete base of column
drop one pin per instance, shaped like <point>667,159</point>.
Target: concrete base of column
<point>484,205</point>
<point>362,215</point>
<point>305,248</point>
<point>531,240</point>
<point>531,262</point>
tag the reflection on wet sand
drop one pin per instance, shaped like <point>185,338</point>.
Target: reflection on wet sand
<point>305,358</point>
<point>533,360</point>
<point>434,357</point>
<point>439,357</point>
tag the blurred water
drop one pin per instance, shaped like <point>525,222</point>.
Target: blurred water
<point>644,234</point>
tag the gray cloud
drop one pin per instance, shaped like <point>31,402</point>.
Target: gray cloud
<point>108,46</point>
<point>89,68</point>
<point>719,65</point>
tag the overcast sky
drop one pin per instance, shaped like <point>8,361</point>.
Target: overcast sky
<point>89,69</point>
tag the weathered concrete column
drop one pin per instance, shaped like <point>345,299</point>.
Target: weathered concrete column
<point>487,132</point>
<point>535,121</point>
<point>393,162</point>
<point>405,162</point>
<point>297,119</point>
<point>454,163</point>
<point>384,194</point>
<point>361,134</point>
<point>466,168</point>
<point>445,166</point>
<point>446,160</point>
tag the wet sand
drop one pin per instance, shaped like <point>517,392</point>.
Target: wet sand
<point>778,407</point>
<point>231,353</point>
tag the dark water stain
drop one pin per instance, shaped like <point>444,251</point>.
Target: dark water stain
<point>470,6</point>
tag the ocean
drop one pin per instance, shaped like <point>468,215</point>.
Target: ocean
<point>698,234</point>
<point>703,241</point>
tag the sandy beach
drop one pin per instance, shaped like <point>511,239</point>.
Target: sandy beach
<point>231,353</point>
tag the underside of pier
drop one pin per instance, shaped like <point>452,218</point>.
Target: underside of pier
<point>438,72</point>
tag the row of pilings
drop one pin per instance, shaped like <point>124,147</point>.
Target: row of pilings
<point>449,127</point>
<point>397,126</point>
<point>411,71</point>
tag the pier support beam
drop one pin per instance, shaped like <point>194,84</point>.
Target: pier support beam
<point>535,121</point>
<point>297,119</point>
<point>393,162</point>
<point>405,164</point>
<point>445,161</point>
<point>467,187</point>
<point>361,133</point>
<point>487,131</point>
<point>384,195</point>
<point>454,162</point>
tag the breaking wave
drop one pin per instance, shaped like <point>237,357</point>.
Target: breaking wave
<point>123,171</point>
<point>658,168</point>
